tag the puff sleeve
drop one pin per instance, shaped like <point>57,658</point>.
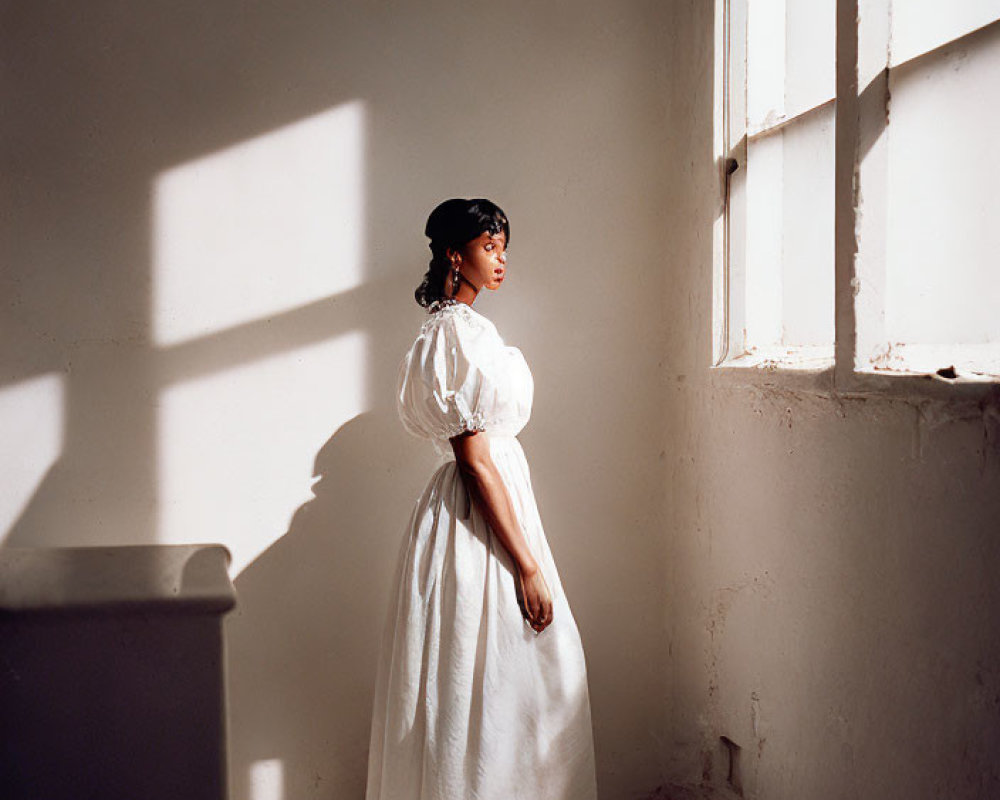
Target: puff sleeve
<point>454,379</point>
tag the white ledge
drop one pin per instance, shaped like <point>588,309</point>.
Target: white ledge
<point>162,578</point>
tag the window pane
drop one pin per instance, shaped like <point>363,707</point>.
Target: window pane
<point>736,73</point>
<point>808,234</point>
<point>791,48</point>
<point>765,62</point>
<point>919,26</point>
<point>942,276</point>
<point>810,54</point>
<point>789,244</point>
<point>780,215</point>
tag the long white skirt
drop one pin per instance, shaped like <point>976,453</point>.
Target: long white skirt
<point>471,703</point>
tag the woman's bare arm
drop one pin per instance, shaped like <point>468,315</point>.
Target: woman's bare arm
<point>488,492</point>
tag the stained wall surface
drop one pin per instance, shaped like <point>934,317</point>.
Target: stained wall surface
<point>212,225</point>
<point>832,568</point>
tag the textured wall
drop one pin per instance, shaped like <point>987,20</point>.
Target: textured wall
<point>832,583</point>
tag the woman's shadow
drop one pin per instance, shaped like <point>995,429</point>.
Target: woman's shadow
<point>302,644</point>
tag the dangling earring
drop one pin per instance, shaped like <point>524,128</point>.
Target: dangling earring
<point>456,279</point>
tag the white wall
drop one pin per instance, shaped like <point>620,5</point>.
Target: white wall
<point>832,587</point>
<point>212,229</point>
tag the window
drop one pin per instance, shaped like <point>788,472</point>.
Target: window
<point>859,187</point>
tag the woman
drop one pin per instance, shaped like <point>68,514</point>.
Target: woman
<point>481,690</point>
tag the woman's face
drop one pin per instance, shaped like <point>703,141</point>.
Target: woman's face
<point>484,260</point>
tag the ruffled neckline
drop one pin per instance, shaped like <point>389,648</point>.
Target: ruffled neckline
<point>440,310</point>
<point>444,304</point>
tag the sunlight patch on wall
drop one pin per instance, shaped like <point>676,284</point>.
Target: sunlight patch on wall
<point>31,429</point>
<point>267,779</point>
<point>236,449</point>
<point>259,228</point>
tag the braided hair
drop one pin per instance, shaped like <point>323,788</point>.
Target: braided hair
<point>452,224</point>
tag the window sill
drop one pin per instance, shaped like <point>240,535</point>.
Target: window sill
<point>818,376</point>
<point>798,359</point>
<point>757,372</point>
<point>919,386</point>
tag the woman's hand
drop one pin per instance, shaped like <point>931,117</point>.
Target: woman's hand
<point>535,599</point>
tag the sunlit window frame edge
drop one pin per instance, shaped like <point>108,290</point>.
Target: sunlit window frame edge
<point>841,375</point>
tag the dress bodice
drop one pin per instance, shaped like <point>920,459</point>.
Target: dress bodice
<point>460,376</point>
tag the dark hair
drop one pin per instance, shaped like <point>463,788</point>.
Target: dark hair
<point>452,224</point>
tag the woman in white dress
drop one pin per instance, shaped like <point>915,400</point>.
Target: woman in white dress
<point>481,690</point>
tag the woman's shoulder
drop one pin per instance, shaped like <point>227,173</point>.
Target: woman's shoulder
<point>454,333</point>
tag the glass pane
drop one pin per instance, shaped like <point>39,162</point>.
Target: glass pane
<point>942,275</point>
<point>810,54</point>
<point>808,262</point>
<point>736,73</point>
<point>765,224</point>
<point>765,62</point>
<point>790,266</point>
<point>919,26</point>
<point>791,49</point>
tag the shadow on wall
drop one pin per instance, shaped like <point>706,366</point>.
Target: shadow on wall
<point>303,642</point>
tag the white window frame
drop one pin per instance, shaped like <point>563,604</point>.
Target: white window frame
<point>862,60</point>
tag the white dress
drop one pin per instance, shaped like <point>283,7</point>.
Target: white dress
<point>470,703</point>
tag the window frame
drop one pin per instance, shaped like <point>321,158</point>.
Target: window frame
<point>862,60</point>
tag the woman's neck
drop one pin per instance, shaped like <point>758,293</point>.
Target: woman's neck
<point>467,291</point>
